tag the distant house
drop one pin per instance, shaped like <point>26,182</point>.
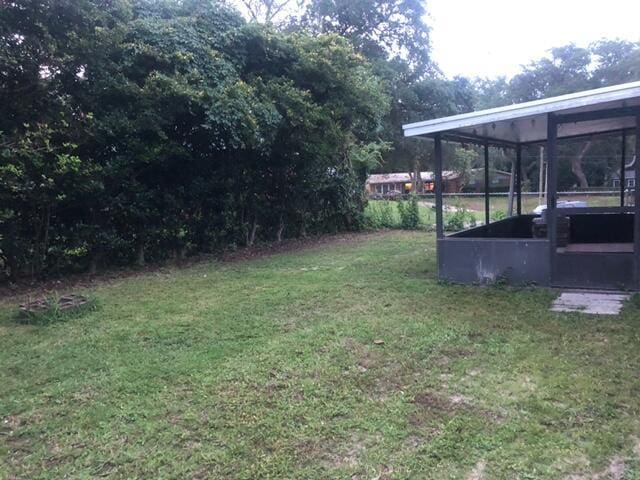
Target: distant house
<point>499,181</point>
<point>388,184</point>
<point>629,176</point>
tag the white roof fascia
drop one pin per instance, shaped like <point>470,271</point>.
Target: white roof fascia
<point>528,109</point>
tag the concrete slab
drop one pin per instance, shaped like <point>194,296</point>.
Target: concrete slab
<point>595,303</point>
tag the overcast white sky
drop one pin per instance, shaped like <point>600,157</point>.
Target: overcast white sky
<point>494,37</point>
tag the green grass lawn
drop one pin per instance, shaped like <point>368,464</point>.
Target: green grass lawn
<point>529,202</point>
<point>474,207</point>
<point>346,361</point>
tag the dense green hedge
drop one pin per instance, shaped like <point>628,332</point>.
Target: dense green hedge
<point>135,131</point>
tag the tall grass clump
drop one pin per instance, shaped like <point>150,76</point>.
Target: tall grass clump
<point>379,214</point>
<point>409,213</point>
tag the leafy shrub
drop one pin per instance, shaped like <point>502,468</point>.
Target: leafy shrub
<point>454,222</point>
<point>459,220</point>
<point>409,213</point>
<point>498,215</point>
<point>379,214</point>
<point>191,141</point>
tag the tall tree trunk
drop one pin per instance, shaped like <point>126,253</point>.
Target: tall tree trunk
<point>42,241</point>
<point>280,229</point>
<point>576,165</point>
<point>251,235</point>
<point>93,263</point>
<point>140,255</point>
<point>417,181</point>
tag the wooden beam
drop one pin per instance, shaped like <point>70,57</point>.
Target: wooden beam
<point>437,139</point>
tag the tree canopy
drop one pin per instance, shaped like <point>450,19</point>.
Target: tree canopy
<point>141,130</point>
<point>583,163</point>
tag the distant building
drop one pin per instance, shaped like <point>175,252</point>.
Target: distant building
<point>390,184</point>
<point>395,184</point>
<point>499,181</point>
<point>629,176</point>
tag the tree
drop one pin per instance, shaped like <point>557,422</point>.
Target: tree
<point>380,29</point>
<point>267,11</point>
<point>491,93</point>
<point>569,69</point>
<point>155,129</point>
<point>617,61</point>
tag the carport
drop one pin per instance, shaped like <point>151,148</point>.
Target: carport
<point>599,247</point>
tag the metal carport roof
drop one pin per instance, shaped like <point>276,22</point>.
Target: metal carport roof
<point>527,122</point>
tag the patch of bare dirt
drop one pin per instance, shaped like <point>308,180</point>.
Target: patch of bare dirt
<point>636,446</point>
<point>365,357</point>
<point>17,445</point>
<point>430,409</point>
<point>384,472</point>
<point>433,402</point>
<point>202,473</point>
<point>449,355</point>
<point>617,467</point>
<point>29,290</point>
<point>382,376</point>
<point>614,471</point>
<point>478,471</point>
<point>335,455</point>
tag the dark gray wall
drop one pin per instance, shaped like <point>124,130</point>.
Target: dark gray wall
<point>488,260</point>
<point>595,270</point>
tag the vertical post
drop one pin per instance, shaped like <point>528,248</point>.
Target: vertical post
<point>636,212</point>
<point>623,162</point>
<point>512,187</point>
<point>552,185</point>
<point>519,179</point>
<point>541,176</point>
<point>486,183</point>
<point>438,185</point>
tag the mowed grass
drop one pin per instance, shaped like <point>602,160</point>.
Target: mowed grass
<point>346,361</point>
<point>499,203</point>
<point>474,206</point>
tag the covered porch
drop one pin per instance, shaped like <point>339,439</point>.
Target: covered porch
<point>578,247</point>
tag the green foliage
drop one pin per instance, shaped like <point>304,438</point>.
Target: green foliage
<point>145,131</point>
<point>454,222</point>
<point>380,214</point>
<point>567,69</point>
<point>460,219</point>
<point>498,215</point>
<point>409,213</point>
<point>379,29</point>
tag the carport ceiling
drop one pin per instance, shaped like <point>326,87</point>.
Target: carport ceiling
<point>527,122</point>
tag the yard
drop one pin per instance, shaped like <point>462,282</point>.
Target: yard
<point>470,208</point>
<point>347,360</point>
